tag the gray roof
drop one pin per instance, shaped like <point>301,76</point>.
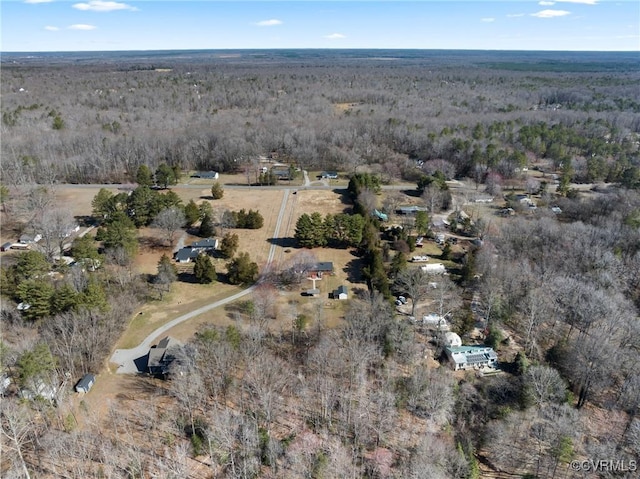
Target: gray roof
<point>341,289</point>
<point>409,210</point>
<point>323,266</point>
<point>205,243</point>
<point>472,355</point>
<point>206,174</point>
<point>186,254</point>
<point>86,382</point>
<point>162,355</point>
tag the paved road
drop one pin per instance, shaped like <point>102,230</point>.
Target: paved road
<point>126,358</point>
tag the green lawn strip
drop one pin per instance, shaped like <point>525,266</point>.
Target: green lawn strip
<point>140,326</point>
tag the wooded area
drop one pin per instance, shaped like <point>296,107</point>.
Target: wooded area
<point>370,394</point>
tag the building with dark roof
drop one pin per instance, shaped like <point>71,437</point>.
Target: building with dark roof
<point>85,384</point>
<point>162,355</point>
<point>185,255</point>
<point>340,293</point>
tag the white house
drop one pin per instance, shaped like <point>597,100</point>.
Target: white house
<point>434,268</point>
<point>435,321</point>
<point>471,357</point>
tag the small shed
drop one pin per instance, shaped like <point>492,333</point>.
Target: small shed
<point>86,383</point>
<point>340,293</point>
<point>7,246</point>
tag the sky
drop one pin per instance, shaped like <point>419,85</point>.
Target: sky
<point>107,25</point>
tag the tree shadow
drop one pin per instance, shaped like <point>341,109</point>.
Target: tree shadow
<point>86,220</point>
<point>415,193</point>
<point>354,270</point>
<point>186,277</point>
<point>283,242</point>
<point>345,197</point>
<point>153,244</point>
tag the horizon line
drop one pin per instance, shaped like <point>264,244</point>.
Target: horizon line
<point>318,48</point>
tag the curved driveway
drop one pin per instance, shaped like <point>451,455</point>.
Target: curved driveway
<point>126,358</point>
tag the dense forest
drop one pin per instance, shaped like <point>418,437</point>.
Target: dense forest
<point>373,396</point>
<point>96,122</point>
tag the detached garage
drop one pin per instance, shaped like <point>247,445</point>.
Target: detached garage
<point>85,384</point>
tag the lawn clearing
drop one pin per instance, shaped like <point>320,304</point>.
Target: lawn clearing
<point>183,298</point>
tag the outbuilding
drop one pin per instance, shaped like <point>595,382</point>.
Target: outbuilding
<point>340,293</point>
<point>7,246</point>
<point>86,383</point>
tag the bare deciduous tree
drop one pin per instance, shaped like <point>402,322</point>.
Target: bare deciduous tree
<point>170,220</point>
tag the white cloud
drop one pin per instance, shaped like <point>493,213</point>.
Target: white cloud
<point>515,15</point>
<point>102,6</point>
<point>38,1</point>
<point>488,20</point>
<point>584,2</point>
<point>545,3</point>
<point>81,26</point>
<point>269,23</point>
<point>51,29</point>
<point>335,36</point>
<point>550,13</point>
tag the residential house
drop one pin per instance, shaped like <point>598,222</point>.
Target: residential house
<point>318,269</point>
<point>329,175</point>
<point>30,239</point>
<point>162,355</point>
<point>209,175</point>
<point>281,173</point>
<point>185,255</point>
<point>433,268</point>
<point>340,293</point>
<point>435,321</point>
<point>471,357</point>
<point>85,384</point>
<point>207,244</point>
<point>410,210</point>
<point>39,389</point>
